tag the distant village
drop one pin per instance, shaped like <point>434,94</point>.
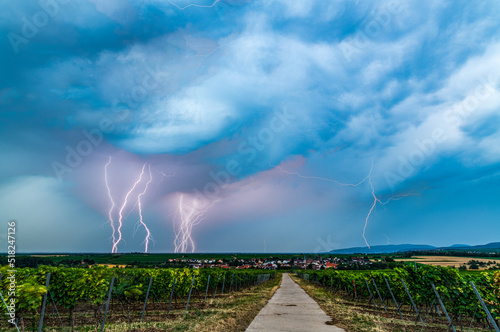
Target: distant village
<point>234,262</point>
<point>270,264</point>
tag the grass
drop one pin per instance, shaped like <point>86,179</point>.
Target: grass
<point>232,313</point>
<point>449,260</point>
<point>127,258</point>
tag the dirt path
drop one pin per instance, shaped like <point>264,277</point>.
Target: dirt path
<point>291,309</point>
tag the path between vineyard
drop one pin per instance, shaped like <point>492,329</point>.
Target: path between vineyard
<point>291,309</point>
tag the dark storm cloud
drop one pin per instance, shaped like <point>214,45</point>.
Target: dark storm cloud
<point>226,91</point>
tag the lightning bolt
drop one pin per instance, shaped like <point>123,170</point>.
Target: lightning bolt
<point>120,212</point>
<point>110,213</point>
<point>377,200</point>
<point>193,5</point>
<point>188,216</point>
<point>139,205</point>
<point>368,178</point>
<point>163,175</point>
<point>116,225</point>
<point>374,204</point>
<point>318,178</point>
<point>388,239</point>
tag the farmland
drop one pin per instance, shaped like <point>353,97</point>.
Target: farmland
<point>450,261</point>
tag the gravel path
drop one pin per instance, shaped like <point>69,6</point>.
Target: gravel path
<point>291,309</point>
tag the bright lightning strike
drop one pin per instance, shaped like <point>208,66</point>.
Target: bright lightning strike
<point>139,205</point>
<point>376,199</point>
<point>116,228</point>
<point>120,213</point>
<point>188,216</point>
<point>110,213</point>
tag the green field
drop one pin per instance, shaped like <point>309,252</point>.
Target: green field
<point>128,258</point>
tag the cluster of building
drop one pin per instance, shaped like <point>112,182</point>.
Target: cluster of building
<point>272,264</point>
<point>330,263</point>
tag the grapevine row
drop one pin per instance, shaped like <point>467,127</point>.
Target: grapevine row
<point>453,287</point>
<point>69,287</point>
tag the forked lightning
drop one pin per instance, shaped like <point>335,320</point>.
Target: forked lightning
<point>116,228</point>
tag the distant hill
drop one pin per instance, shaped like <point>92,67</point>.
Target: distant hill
<point>492,245</point>
<point>385,249</point>
<point>465,247</point>
<point>391,248</point>
<point>459,246</point>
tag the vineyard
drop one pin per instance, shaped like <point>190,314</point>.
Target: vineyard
<point>428,295</point>
<point>98,296</point>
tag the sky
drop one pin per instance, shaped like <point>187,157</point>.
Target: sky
<point>248,126</point>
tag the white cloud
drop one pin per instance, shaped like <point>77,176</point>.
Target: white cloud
<point>295,8</point>
<point>469,95</point>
